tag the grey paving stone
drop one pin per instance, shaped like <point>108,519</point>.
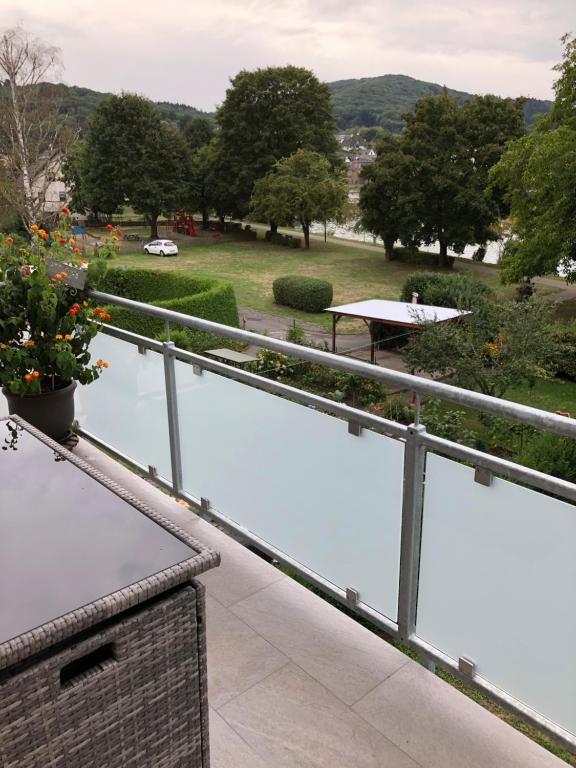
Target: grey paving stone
<point>441,728</point>
<point>292,721</point>
<point>337,651</point>
<point>228,750</point>
<point>238,658</point>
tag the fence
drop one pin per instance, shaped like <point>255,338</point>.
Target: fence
<point>465,556</point>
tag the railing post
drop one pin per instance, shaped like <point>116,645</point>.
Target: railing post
<point>172,408</point>
<point>414,456</point>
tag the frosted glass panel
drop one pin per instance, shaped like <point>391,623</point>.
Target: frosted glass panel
<point>126,407</point>
<point>497,582</point>
<point>298,480</point>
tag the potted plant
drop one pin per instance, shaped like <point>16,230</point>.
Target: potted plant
<point>47,323</point>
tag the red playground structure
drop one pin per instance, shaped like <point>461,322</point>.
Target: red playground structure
<point>184,224</point>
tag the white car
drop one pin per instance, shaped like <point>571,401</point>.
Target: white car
<point>161,248</point>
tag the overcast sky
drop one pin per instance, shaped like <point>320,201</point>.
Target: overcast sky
<point>186,50</point>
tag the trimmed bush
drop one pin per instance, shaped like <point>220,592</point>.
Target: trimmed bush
<point>276,238</point>
<point>199,297</point>
<point>306,293</point>
<point>445,290</point>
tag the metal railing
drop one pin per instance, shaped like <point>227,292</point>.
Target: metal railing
<point>417,441</point>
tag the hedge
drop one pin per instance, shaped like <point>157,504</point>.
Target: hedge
<point>277,238</point>
<point>564,338</point>
<point>199,297</point>
<point>445,290</point>
<point>307,293</point>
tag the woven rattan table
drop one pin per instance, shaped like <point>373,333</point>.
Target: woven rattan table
<point>102,631</point>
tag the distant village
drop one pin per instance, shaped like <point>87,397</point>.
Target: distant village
<point>357,153</point>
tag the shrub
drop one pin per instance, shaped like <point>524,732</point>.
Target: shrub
<point>306,293</point>
<point>552,455</point>
<point>415,256</point>
<point>276,238</point>
<point>564,336</point>
<point>199,297</point>
<point>197,341</point>
<point>445,290</point>
<point>296,335</point>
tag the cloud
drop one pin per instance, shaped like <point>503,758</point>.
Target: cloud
<point>187,51</point>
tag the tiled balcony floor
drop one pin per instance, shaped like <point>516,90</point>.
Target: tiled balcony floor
<point>295,683</point>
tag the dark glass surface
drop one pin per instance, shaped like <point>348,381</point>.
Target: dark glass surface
<point>65,539</point>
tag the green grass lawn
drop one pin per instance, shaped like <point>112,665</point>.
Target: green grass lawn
<point>547,394</point>
<point>251,267</point>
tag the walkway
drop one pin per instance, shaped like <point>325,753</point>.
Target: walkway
<point>295,683</point>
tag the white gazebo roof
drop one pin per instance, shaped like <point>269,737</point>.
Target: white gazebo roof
<point>396,312</point>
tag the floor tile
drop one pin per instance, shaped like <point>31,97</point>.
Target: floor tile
<point>344,656</point>
<point>292,721</point>
<point>237,657</point>
<point>441,728</point>
<point>228,750</point>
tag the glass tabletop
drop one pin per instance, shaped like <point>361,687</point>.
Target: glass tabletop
<point>65,539</point>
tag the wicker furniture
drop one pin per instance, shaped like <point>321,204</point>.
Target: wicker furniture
<point>102,631</point>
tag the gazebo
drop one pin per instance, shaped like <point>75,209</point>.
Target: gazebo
<point>395,313</point>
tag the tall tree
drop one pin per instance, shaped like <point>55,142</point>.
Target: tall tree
<point>300,188</point>
<point>538,173</point>
<point>266,116</point>
<point>33,134</point>
<point>453,154</point>
<point>131,157</point>
<point>199,132</point>
<point>388,199</point>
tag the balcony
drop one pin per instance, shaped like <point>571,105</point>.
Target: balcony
<point>465,557</point>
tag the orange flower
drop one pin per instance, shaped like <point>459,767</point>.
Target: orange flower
<point>76,249</point>
<point>72,241</point>
<point>42,233</point>
<point>8,240</point>
<point>28,377</point>
<point>35,374</point>
<point>57,233</point>
<point>34,227</point>
<point>68,337</point>
<point>59,337</point>
<point>28,343</point>
<point>102,363</point>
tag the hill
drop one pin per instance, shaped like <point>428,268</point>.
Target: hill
<point>381,101</point>
<point>79,103</point>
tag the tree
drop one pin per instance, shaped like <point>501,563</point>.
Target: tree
<point>33,134</point>
<point>131,157</point>
<point>266,116</point>
<point>453,153</point>
<point>199,132</point>
<point>300,188</point>
<point>499,345</point>
<point>388,199</point>
<point>538,174</point>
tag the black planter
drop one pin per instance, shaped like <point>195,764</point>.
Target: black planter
<point>50,412</point>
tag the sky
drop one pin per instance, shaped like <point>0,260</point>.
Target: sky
<point>186,51</point>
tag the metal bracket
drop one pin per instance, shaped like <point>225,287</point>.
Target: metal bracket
<point>354,428</point>
<point>141,350</point>
<point>352,597</point>
<point>152,471</point>
<point>197,370</point>
<point>204,505</point>
<point>466,666</point>
<point>483,476</point>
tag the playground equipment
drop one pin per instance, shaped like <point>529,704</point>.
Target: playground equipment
<point>184,224</point>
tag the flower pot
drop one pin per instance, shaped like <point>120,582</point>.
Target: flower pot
<point>50,412</point>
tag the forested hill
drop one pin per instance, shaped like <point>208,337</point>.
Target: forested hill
<point>79,103</point>
<point>381,101</point>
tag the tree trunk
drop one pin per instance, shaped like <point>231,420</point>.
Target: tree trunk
<point>205,218</point>
<point>389,248</point>
<point>443,261</point>
<point>273,227</point>
<point>153,222</point>
<point>29,215</point>
<point>306,230</point>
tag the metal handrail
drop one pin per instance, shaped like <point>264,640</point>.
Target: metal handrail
<point>551,422</point>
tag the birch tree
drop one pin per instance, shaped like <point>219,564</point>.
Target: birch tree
<point>34,136</point>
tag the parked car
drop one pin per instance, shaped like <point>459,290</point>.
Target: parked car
<point>161,248</point>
